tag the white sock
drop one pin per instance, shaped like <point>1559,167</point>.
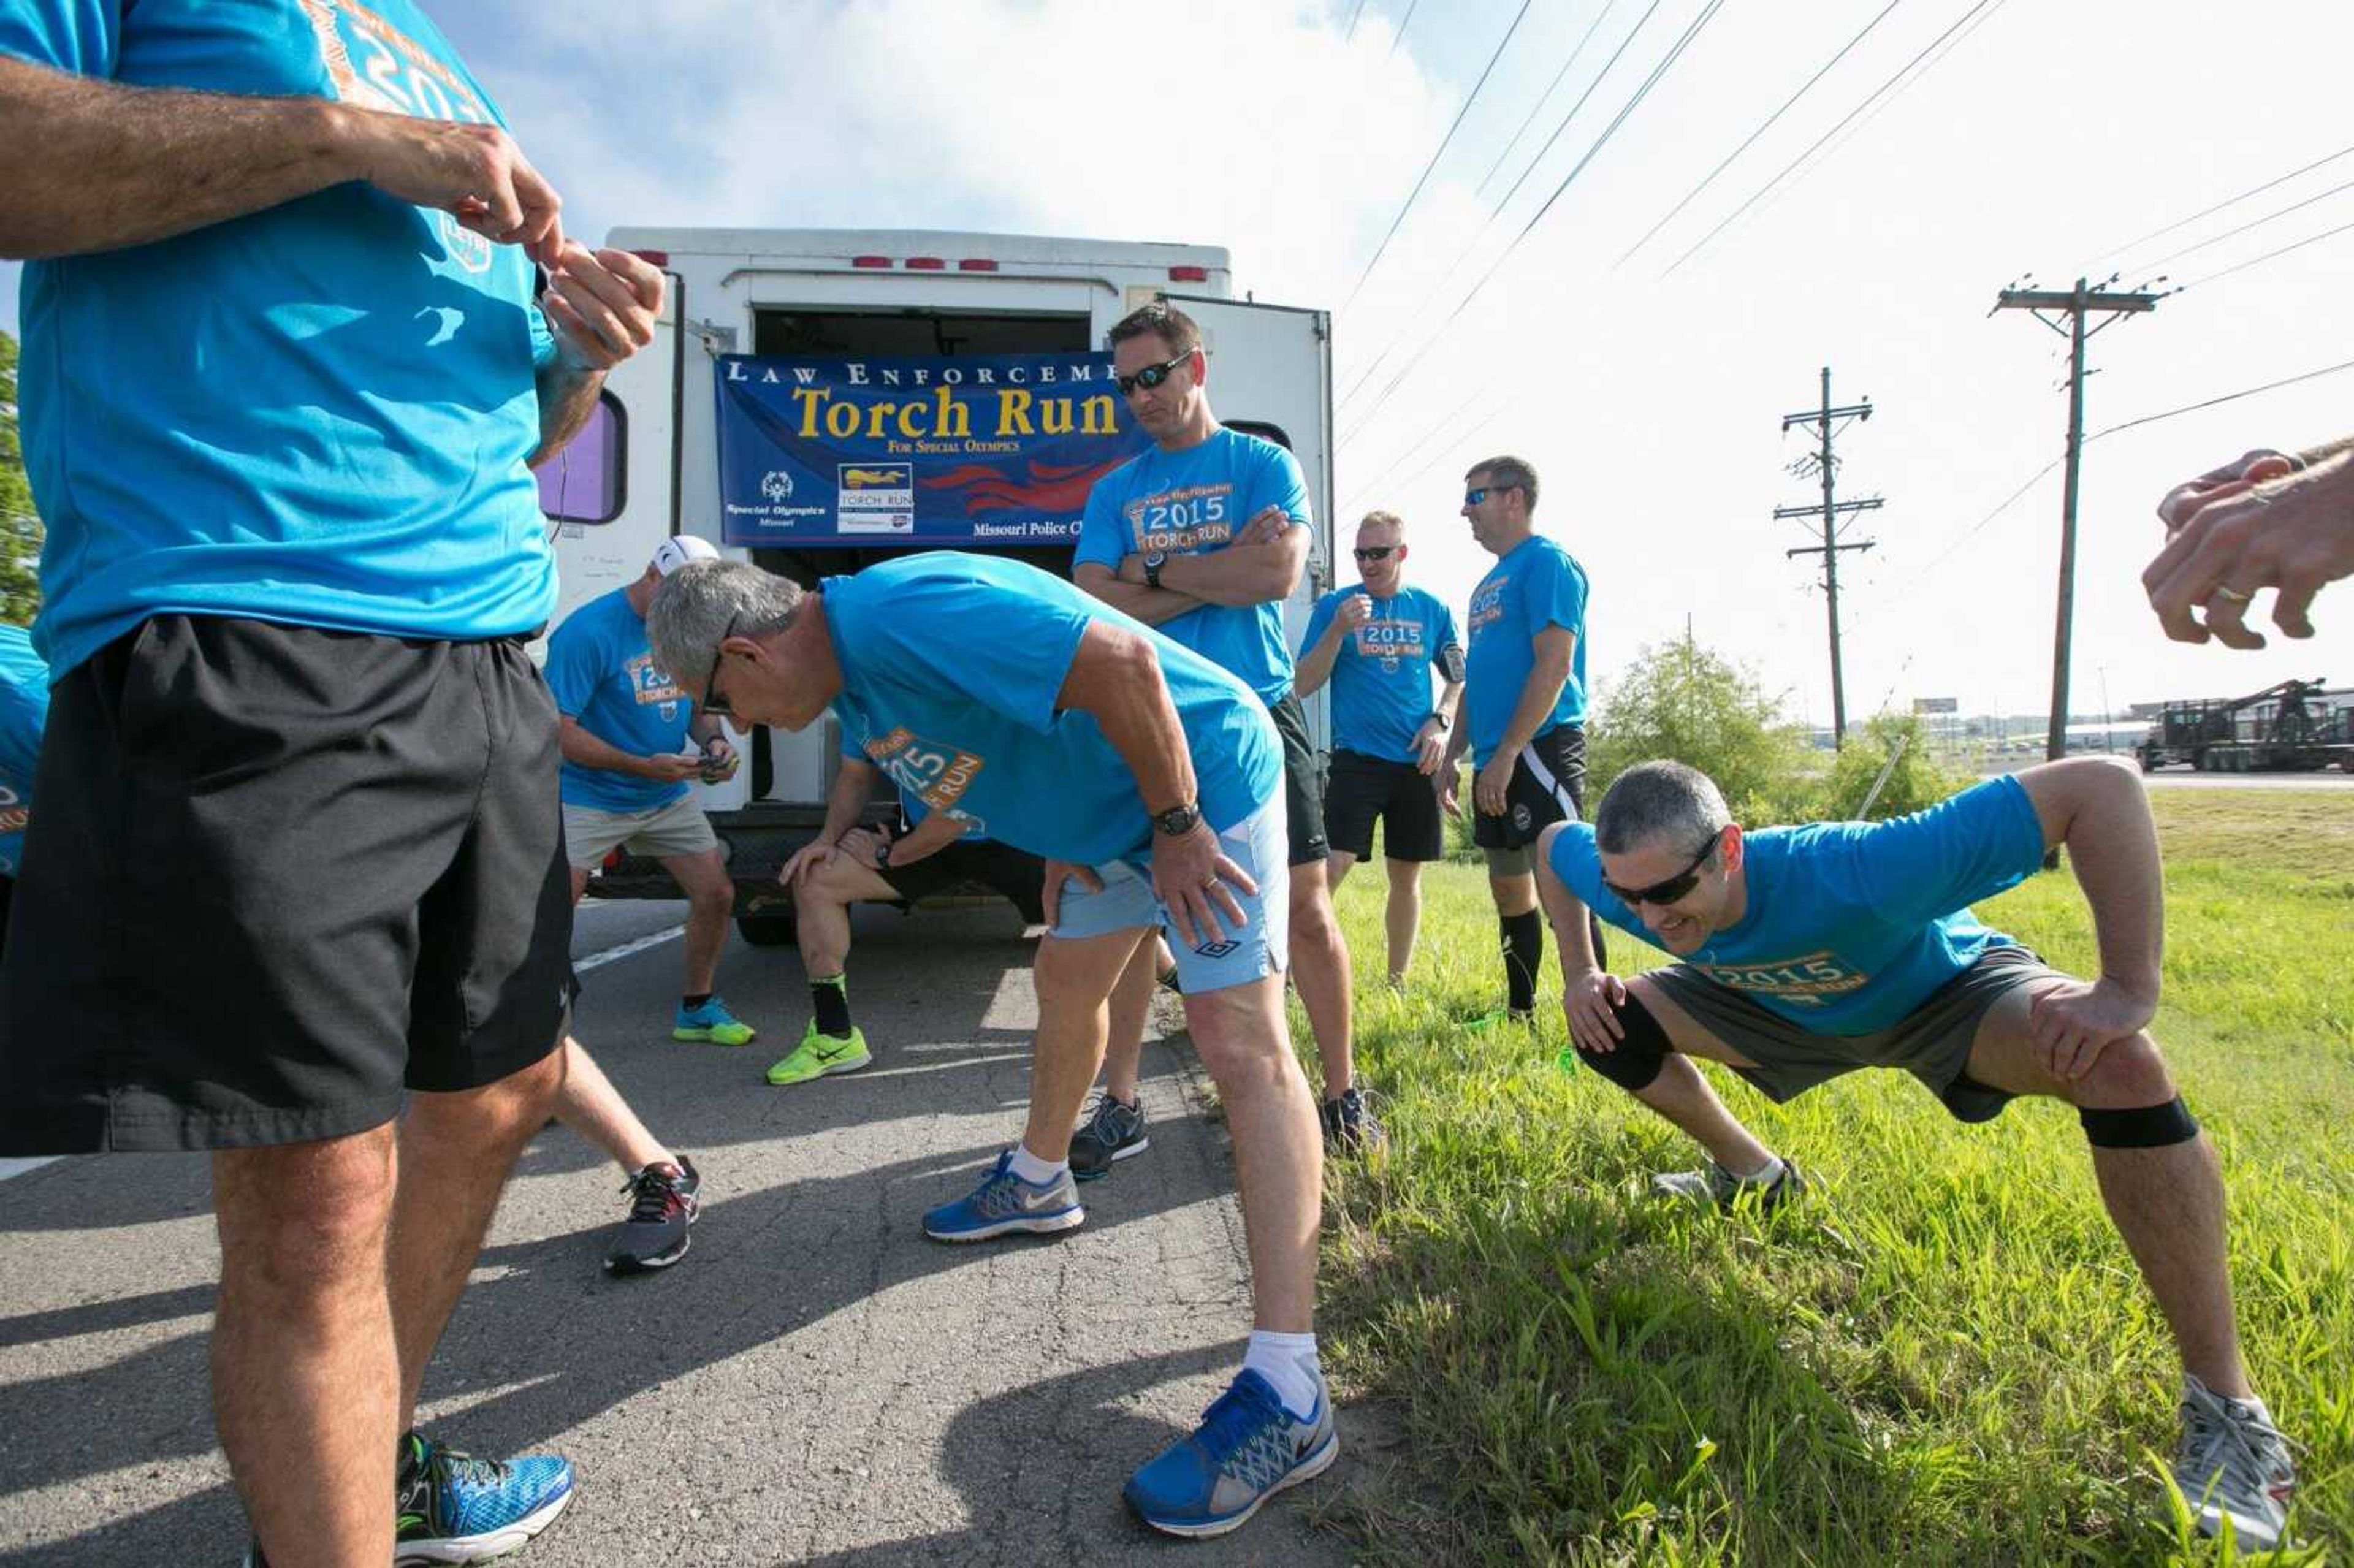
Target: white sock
<point>1766,1174</point>
<point>1289,1363</point>
<point>1036,1171</point>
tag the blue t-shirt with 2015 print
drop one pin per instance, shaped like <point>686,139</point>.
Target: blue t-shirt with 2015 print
<point>315,414</point>
<point>603,677</point>
<point>950,666</point>
<point>1850,926</point>
<point>1191,503</point>
<point>1381,678</point>
<point>1535,585</point>
<point>24,713</point>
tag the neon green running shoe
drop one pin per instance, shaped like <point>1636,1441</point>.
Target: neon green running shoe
<point>711,1021</point>
<point>819,1055</point>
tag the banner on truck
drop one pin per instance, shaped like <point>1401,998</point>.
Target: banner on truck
<point>968,450</point>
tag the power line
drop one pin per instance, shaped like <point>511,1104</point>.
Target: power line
<point>1444,143</point>
<point>2232,233</point>
<point>1360,492</point>
<point>2267,256</point>
<point>1658,73</point>
<point>1546,97</point>
<point>2219,206</point>
<point>1352,24</point>
<point>1404,23</point>
<point>2227,398</point>
<point>1496,211</point>
<point>1693,193</point>
<point>1876,93</point>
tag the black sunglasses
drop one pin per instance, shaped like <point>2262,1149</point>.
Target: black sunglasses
<point>1473,497</point>
<point>1674,888</point>
<point>1152,376</point>
<point>1375,553</point>
<point>712,703</point>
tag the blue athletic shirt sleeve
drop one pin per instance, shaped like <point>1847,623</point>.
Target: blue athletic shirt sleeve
<point>1278,482</point>
<point>1579,864</point>
<point>573,665</point>
<point>1443,632</point>
<point>1552,594</point>
<point>1009,654</point>
<point>1942,859</point>
<point>543,338</point>
<point>83,36</point>
<point>1103,532</point>
<point>1320,620</point>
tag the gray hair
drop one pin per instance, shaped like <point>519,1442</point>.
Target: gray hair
<point>693,606</point>
<point>1507,473</point>
<point>1659,802</point>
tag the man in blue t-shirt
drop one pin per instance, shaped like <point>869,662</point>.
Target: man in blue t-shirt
<point>1379,643</point>
<point>24,708</point>
<point>1147,778</point>
<point>1524,709</point>
<point>284,373</point>
<point>1202,538</point>
<point>1806,953</point>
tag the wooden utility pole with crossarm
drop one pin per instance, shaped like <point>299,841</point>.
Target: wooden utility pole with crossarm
<point>1826,419</point>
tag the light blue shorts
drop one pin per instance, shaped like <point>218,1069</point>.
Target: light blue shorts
<point>1126,902</point>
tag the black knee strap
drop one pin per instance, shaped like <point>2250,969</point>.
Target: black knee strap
<point>2149,1127</point>
<point>1637,1058</point>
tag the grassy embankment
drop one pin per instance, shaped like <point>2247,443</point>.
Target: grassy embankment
<point>1945,1356</point>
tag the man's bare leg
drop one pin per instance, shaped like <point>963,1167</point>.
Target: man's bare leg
<point>710,900</point>
<point>306,1380</point>
<point>1401,917</point>
<point>2166,1202</point>
<point>1337,866</point>
<point>1075,977</point>
<point>1279,1149</point>
<point>1683,1095</point>
<point>1319,968</point>
<point>456,1150</point>
<point>590,1106</point>
<point>1131,1005</point>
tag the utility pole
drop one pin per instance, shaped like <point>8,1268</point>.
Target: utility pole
<point>1826,419</point>
<point>2077,305</point>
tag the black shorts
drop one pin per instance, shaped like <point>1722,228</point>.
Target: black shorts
<point>1019,875</point>
<point>1303,786</point>
<point>8,890</point>
<point>1548,787</point>
<point>282,874</point>
<point>1398,793</point>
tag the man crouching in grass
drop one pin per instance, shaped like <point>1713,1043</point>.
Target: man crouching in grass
<point>1811,952</point>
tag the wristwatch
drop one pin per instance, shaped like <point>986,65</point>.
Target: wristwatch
<point>1440,720</point>
<point>1177,821</point>
<point>1153,561</point>
<point>883,842</point>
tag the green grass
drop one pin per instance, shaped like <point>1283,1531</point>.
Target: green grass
<point>1945,1356</point>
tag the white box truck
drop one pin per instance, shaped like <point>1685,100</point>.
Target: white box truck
<point>885,344</point>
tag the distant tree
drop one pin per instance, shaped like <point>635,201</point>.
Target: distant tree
<point>20,530</point>
<point>1918,779</point>
<point>1688,702</point>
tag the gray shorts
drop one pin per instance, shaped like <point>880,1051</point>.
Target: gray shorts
<point>662,833</point>
<point>1932,1042</point>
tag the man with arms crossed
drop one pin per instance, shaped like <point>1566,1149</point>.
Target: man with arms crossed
<point>1809,952</point>
<point>847,864</point>
<point>1524,713</point>
<point>1147,778</point>
<point>298,854</point>
<point>1202,538</point>
<point>1378,643</point>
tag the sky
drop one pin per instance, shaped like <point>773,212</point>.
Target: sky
<point>2039,139</point>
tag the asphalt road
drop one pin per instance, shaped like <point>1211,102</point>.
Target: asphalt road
<point>814,1382</point>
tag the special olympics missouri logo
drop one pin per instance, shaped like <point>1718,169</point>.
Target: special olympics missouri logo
<point>777,486</point>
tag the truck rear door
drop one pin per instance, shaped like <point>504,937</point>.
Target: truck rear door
<point>1271,375</point>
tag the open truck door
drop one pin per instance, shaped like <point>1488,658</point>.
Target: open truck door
<point>1271,375</point>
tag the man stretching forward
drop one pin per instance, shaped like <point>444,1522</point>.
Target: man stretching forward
<point>1148,780</point>
<point>1809,952</point>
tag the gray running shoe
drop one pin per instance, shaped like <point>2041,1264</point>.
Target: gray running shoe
<point>1349,1125</point>
<point>1112,1131</point>
<point>2233,1464</point>
<point>664,1200</point>
<point>1714,1185</point>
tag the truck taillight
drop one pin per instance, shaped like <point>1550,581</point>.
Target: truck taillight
<point>976,264</point>
<point>925,264</point>
<point>1189,274</point>
<point>653,258</point>
<point>870,261</point>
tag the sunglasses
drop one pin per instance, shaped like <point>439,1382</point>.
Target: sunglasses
<point>1152,376</point>
<point>1473,497</point>
<point>1666,893</point>
<point>1376,552</point>
<point>712,703</point>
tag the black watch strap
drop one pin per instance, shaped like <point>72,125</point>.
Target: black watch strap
<point>1177,821</point>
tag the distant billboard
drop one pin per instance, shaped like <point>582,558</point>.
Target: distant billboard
<point>1936,706</point>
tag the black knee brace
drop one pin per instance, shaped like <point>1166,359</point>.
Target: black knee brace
<point>1637,1058</point>
<point>2148,1127</point>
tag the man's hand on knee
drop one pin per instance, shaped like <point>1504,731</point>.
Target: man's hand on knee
<point>2072,1023</point>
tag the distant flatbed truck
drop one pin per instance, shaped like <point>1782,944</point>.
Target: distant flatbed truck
<point>2281,729</point>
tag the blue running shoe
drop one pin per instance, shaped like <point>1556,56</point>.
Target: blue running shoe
<point>711,1021</point>
<point>455,1508</point>
<point>1005,1203</point>
<point>1248,1448</point>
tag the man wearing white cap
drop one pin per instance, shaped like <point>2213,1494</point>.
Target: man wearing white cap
<point>632,741</point>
